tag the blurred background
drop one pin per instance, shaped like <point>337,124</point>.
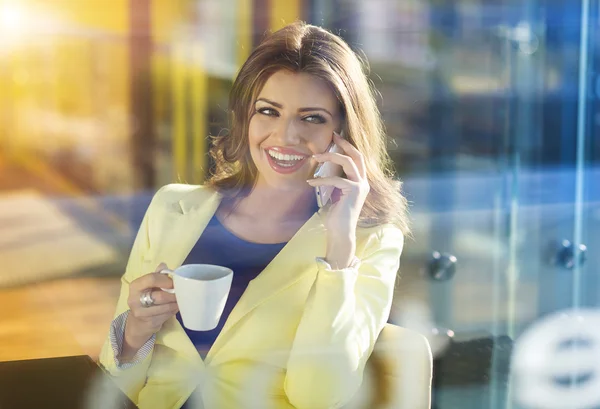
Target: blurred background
<point>492,111</point>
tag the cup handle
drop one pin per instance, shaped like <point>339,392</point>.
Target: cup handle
<point>167,290</point>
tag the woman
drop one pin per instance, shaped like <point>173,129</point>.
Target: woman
<point>317,284</point>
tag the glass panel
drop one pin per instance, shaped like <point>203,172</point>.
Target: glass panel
<point>487,106</point>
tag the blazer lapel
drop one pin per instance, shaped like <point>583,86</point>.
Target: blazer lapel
<point>296,259</point>
<point>182,223</point>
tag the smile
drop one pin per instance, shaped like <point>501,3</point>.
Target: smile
<point>283,161</point>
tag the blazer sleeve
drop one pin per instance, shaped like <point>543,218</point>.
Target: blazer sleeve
<point>131,379</point>
<point>345,312</point>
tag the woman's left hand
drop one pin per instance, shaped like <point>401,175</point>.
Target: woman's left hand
<point>348,199</point>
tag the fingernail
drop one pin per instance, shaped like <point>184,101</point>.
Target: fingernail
<point>310,181</point>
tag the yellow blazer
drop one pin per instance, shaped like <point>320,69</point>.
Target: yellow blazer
<point>298,338</point>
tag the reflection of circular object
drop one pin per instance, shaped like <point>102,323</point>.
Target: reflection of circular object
<point>529,47</point>
<point>442,267</point>
<point>566,255</point>
<point>561,347</point>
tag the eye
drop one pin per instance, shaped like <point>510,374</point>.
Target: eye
<point>315,119</point>
<point>267,111</point>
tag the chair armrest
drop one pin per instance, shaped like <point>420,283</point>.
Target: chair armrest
<point>398,374</point>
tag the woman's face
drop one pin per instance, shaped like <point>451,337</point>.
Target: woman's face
<point>295,115</point>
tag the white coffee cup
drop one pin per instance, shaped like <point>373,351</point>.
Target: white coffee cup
<point>201,291</point>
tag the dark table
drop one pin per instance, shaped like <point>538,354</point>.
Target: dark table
<point>58,383</point>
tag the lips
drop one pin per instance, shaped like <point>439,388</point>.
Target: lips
<point>285,160</point>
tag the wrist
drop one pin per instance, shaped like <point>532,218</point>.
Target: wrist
<point>133,338</point>
<point>340,252</point>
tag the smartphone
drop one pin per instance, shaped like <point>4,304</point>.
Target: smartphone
<point>324,170</point>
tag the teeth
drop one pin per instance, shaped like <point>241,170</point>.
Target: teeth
<point>286,166</point>
<point>282,156</point>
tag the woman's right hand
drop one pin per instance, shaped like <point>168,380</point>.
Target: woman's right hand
<point>143,322</point>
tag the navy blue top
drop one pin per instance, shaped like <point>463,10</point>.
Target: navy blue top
<point>219,246</point>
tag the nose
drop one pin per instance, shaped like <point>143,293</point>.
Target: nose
<point>289,133</point>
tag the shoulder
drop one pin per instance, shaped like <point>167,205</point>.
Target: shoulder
<point>176,192</point>
<point>380,236</point>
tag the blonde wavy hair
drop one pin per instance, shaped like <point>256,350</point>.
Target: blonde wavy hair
<point>301,47</point>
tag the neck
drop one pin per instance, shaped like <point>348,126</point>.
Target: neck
<point>278,205</point>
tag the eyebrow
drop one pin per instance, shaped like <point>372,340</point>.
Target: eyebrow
<point>278,105</point>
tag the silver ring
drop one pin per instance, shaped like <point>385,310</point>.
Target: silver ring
<point>146,299</point>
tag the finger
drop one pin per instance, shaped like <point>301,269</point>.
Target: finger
<point>160,267</point>
<point>354,153</point>
<point>158,320</point>
<point>343,184</point>
<point>155,310</point>
<point>151,280</point>
<point>162,297</point>
<point>158,298</point>
<point>346,162</point>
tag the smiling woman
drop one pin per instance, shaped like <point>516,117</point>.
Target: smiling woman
<point>312,288</point>
<point>284,135</point>
<point>309,81</point>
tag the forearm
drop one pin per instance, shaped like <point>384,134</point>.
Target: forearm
<point>340,250</point>
<point>345,311</point>
<point>333,340</point>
